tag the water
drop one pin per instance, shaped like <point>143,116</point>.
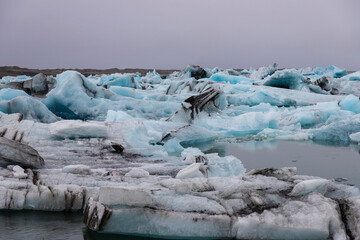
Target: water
<point>341,162</point>
<point>37,225</point>
<point>29,225</point>
<point>327,161</point>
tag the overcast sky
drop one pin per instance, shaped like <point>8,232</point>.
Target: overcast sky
<point>172,33</point>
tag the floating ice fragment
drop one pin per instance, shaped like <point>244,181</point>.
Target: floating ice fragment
<point>115,116</point>
<point>78,129</point>
<point>8,94</point>
<point>195,71</point>
<point>309,186</point>
<point>173,146</point>
<point>137,173</point>
<point>355,76</point>
<point>19,172</point>
<point>351,103</point>
<point>195,170</point>
<point>313,218</point>
<point>124,196</point>
<point>77,169</point>
<point>13,152</point>
<point>31,109</point>
<point>222,77</point>
<point>263,72</point>
<point>289,79</point>
<point>224,166</point>
<point>355,137</point>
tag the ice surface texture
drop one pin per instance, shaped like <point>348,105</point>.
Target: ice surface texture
<point>122,148</point>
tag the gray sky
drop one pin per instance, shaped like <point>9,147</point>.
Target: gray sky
<point>172,33</point>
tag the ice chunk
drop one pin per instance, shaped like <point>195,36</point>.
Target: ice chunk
<point>187,86</point>
<point>37,86</point>
<point>137,173</point>
<point>114,116</point>
<point>124,196</point>
<point>224,166</point>
<point>77,169</point>
<point>189,135</point>
<point>30,108</point>
<point>190,155</point>
<point>350,207</point>
<point>282,173</point>
<point>187,203</point>
<point>355,137</point>
<point>167,224</point>
<point>20,78</point>
<point>192,152</point>
<point>244,124</point>
<point>96,215</point>
<point>173,146</point>
<point>309,186</point>
<point>314,218</point>
<point>195,170</point>
<point>331,71</point>
<point>351,103</point>
<point>355,76</point>
<point>8,94</point>
<point>76,97</point>
<point>263,72</point>
<point>289,79</point>
<point>13,152</point>
<point>78,129</point>
<point>39,83</point>
<point>196,104</point>
<point>336,132</point>
<point>19,172</point>
<point>195,71</point>
<point>123,80</point>
<point>254,95</point>
<point>221,77</point>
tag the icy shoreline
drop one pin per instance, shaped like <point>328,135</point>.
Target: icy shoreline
<point>119,147</point>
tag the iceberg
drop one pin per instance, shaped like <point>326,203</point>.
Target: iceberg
<point>263,72</point>
<point>286,79</point>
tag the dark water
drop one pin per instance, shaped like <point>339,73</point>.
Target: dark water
<point>29,225</point>
<point>342,162</point>
<point>37,225</point>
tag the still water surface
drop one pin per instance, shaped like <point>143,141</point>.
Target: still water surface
<point>340,162</point>
<point>327,161</point>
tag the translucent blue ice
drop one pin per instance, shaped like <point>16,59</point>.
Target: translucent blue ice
<point>8,94</point>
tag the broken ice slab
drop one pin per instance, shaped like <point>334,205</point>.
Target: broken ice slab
<point>78,129</point>
<point>16,153</point>
<point>258,205</point>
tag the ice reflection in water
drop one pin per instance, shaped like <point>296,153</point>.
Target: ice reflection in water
<point>29,225</point>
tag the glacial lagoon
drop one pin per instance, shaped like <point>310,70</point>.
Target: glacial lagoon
<point>201,153</point>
